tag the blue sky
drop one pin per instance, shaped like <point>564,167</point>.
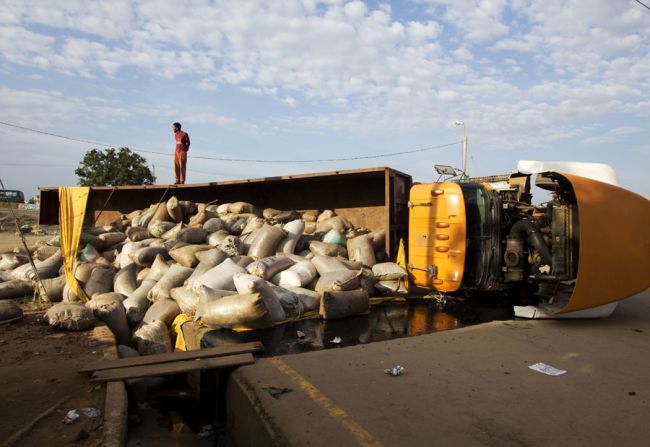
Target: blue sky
<point>300,80</point>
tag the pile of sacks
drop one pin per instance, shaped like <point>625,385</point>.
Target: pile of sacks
<point>228,265</point>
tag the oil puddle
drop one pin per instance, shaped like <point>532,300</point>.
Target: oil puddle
<point>384,322</point>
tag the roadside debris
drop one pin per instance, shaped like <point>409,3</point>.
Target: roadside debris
<point>206,432</point>
<point>547,369</point>
<point>91,412</point>
<point>336,340</point>
<point>395,371</point>
<point>71,417</point>
<point>301,335</point>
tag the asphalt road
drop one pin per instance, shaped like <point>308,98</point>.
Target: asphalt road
<point>469,386</point>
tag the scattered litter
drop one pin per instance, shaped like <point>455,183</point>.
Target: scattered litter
<point>547,369</point>
<point>71,417</point>
<point>91,412</point>
<point>336,340</point>
<point>276,392</point>
<point>207,432</point>
<point>396,371</point>
<point>300,334</point>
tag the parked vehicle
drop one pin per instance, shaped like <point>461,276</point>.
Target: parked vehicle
<point>12,196</point>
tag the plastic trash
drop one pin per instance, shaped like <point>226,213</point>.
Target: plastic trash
<point>395,371</point>
<point>547,369</point>
<point>206,432</point>
<point>336,340</point>
<point>91,412</point>
<point>71,416</point>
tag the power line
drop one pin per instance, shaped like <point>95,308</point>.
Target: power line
<point>243,160</point>
<point>642,4</point>
<point>42,132</point>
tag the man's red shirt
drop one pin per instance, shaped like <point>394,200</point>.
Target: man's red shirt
<point>182,141</point>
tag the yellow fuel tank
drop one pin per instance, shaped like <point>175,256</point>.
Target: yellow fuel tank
<point>614,244</point>
<point>437,236</point>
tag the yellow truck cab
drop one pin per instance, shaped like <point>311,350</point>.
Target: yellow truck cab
<point>586,248</point>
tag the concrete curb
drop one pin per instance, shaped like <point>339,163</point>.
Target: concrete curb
<point>116,404</point>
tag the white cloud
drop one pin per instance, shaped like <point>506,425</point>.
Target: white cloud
<point>478,20</point>
<point>20,46</point>
<point>463,54</point>
<point>207,85</point>
<point>44,109</point>
<point>291,102</point>
<point>615,135</point>
<point>625,130</point>
<point>521,73</point>
<point>38,106</point>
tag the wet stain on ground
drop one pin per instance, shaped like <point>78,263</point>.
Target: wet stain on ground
<point>384,322</point>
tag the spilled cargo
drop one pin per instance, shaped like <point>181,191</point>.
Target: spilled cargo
<point>231,265</point>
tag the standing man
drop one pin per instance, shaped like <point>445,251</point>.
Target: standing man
<point>180,156</point>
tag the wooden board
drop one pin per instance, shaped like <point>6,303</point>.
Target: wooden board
<point>165,369</point>
<point>219,351</point>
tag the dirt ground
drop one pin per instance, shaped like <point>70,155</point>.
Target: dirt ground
<point>25,217</point>
<point>38,375</point>
<point>39,372</point>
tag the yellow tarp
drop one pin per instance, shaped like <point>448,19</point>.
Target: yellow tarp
<point>176,331</point>
<point>72,209</point>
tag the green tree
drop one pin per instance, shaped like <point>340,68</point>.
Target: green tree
<point>112,167</point>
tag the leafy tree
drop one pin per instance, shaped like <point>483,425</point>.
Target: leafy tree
<point>112,167</point>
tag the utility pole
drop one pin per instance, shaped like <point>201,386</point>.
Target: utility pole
<point>465,156</point>
<point>462,123</point>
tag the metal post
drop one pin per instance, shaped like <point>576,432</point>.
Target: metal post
<point>464,154</point>
<point>462,123</point>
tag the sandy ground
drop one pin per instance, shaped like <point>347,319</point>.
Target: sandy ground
<point>38,373</point>
<point>8,235</point>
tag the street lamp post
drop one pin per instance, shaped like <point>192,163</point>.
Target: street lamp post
<point>462,123</point>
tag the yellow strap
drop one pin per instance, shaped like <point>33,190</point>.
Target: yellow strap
<point>401,261</point>
<point>72,210</point>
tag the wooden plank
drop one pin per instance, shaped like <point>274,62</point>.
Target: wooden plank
<point>165,369</point>
<point>219,351</point>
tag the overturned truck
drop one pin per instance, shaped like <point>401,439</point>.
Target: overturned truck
<point>464,237</point>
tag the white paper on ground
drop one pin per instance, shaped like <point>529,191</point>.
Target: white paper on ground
<point>547,369</point>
